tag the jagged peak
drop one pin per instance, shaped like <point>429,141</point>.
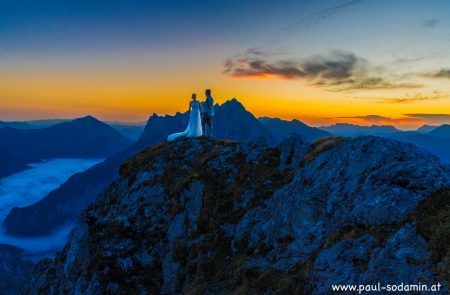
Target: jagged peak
<point>87,118</point>
<point>233,103</point>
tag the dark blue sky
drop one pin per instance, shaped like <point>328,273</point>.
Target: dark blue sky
<point>48,26</point>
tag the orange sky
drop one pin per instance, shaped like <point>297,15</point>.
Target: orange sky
<point>118,63</point>
<point>133,90</point>
<point>128,96</point>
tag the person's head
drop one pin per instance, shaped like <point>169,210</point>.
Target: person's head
<point>194,96</point>
<point>208,92</point>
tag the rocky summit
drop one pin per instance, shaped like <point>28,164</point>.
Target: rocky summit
<point>202,216</point>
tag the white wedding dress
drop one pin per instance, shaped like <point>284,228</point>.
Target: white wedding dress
<point>194,127</point>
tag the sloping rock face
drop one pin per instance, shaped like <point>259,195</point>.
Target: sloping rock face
<point>200,216</point>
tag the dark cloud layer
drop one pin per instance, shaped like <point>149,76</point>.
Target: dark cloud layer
<point>410,98</point>
<point>436,117</point>
<point>440,74</point>
<point>383,120</point>
<point>377,119</point>
<point>337,71</point>
<point>254,64</point>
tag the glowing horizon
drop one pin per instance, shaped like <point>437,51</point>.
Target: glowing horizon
<point>321,63</point>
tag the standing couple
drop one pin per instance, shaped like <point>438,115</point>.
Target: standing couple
<point>200,118</point>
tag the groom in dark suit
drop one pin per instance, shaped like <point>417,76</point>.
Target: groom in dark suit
<point>208,109</point>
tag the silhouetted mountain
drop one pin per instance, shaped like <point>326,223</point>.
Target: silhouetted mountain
<point>426,128</point>
<point>81,138</point>
<point>231,121</point>
<point>45,123</point>
<point>344,129</point>
<point>132,132</point>
<point>253,219</point>
<point>18,125</point>
<point>282,129</point>
<point>441,131</point>
<point>62,205</point>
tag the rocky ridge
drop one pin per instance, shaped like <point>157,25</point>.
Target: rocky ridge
<point>199,215</point>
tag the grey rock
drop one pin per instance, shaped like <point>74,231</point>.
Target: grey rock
<point>192,220</point>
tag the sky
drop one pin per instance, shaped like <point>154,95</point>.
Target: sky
<point>362,61</point>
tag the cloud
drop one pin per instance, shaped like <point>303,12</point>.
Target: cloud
<point>443,73</point>
<point>383,120</point>
<point>339,66</point>
<point>377,119</point>
<point>337,71</point>
<point>315,18</point>
<point>430,23</point>
<point>254,65</point>
<point>431,119</point>
<point>405,60</point>
<point>406,120</point>
<point>410,98</point>
<point>436,117</point>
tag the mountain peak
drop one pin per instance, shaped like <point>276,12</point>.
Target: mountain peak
<point>87,118</point>
<point>231,121</point>
<point>233,103</point>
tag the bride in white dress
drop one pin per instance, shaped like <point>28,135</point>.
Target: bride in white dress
<point>194,127</point>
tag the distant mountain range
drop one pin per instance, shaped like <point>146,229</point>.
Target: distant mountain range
<point>232,121</point>
<point>282,129</point>
<point>45,123</point>
<point>20,125</point>
<point>344,129</point>
<point>81,138</point>
<point>130,130</point>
